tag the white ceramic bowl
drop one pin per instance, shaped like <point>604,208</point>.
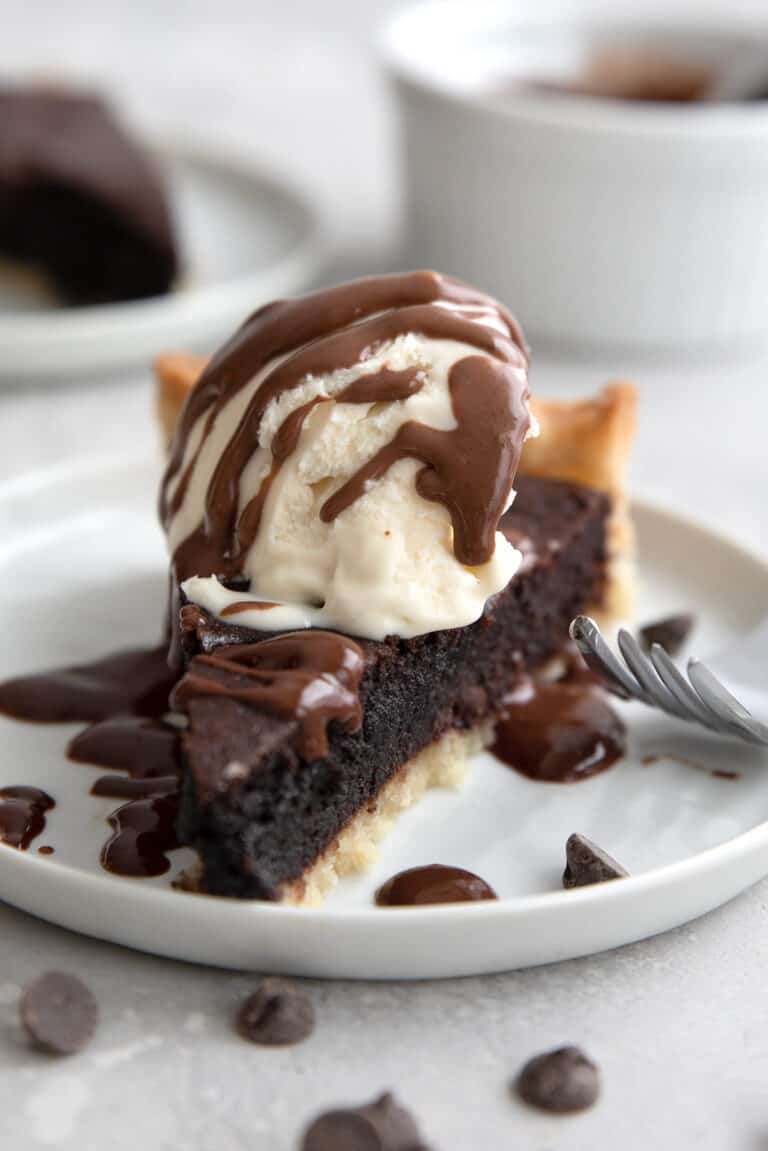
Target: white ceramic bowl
<point>598,222</point>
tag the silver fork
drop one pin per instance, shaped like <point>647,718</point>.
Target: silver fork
<point>654,680</point>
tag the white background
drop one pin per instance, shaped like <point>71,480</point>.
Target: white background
<point>678,1023</point>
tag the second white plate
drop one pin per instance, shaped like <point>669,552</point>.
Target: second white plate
<point>82,567</point>
<point>245,237</point>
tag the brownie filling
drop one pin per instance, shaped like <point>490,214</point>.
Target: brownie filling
<point>260,815</point>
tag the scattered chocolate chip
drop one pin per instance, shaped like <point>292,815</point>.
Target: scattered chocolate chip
<point>587,863</point>
<point>277,1014</point>
<point>59,1013</point>
<point>378,1126</point>
<point>562,1080</point>
<point>671,632</point>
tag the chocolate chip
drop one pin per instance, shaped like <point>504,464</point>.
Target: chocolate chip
<point>671,632</point>
<point>59,1013</point>
<point>278,1013</point>
<point>586,863</point>
<point>378,1126</point>
<point>562,1080</point>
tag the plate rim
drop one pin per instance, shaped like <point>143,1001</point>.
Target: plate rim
<point>601,895</point>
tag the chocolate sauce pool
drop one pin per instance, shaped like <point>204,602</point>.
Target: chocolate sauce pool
<point>144,828</point>
<point>435,883</point>
<point>22,815</point>
<point>125,694</point>
<point>137,681</point>
<point>143,746</point>
<point>559,732</point>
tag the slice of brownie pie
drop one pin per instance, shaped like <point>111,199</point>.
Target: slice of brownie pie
<point>356,587</point>
<point>80,199</point>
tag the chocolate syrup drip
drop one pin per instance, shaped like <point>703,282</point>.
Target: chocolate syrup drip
<point>559,732</point>
<point>433,884</point>
<point>247,605</point>
<point>284,325</point>
<point>384,386</point>
<point>22,815</point>
<point>318,334</point>
<point>309,676</point>
<point>130,681</point>
<point>144,829</point>
<point>220,541</point>
<point>146,748</point>
<point>470,468</point>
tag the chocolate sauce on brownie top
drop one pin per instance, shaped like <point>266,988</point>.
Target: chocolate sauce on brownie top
<point>469,469</point>
<point>310,676</point>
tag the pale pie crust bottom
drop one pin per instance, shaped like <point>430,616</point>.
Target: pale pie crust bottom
<point>356,848</point>
<point>444,763</point>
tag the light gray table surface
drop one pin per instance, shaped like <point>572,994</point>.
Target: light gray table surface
<point>677,1023</point>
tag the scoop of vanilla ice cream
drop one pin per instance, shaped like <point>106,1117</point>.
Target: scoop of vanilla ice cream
<point>386,564</point>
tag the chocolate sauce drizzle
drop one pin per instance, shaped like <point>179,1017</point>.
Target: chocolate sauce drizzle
<point>22,815</point>
<point>435,883</point>
<point>309,676</point>
<point>246,605</point>
<point>334,329</point>
<point>470,468</point>
<point>382,387</point>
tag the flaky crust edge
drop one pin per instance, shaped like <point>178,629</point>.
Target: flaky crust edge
<point>588,441</point>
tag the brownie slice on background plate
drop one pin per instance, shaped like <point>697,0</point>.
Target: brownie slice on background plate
<point>80,199</point>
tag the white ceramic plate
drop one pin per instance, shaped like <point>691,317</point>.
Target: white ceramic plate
<point>82,570</point>
<point>245,237</point>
